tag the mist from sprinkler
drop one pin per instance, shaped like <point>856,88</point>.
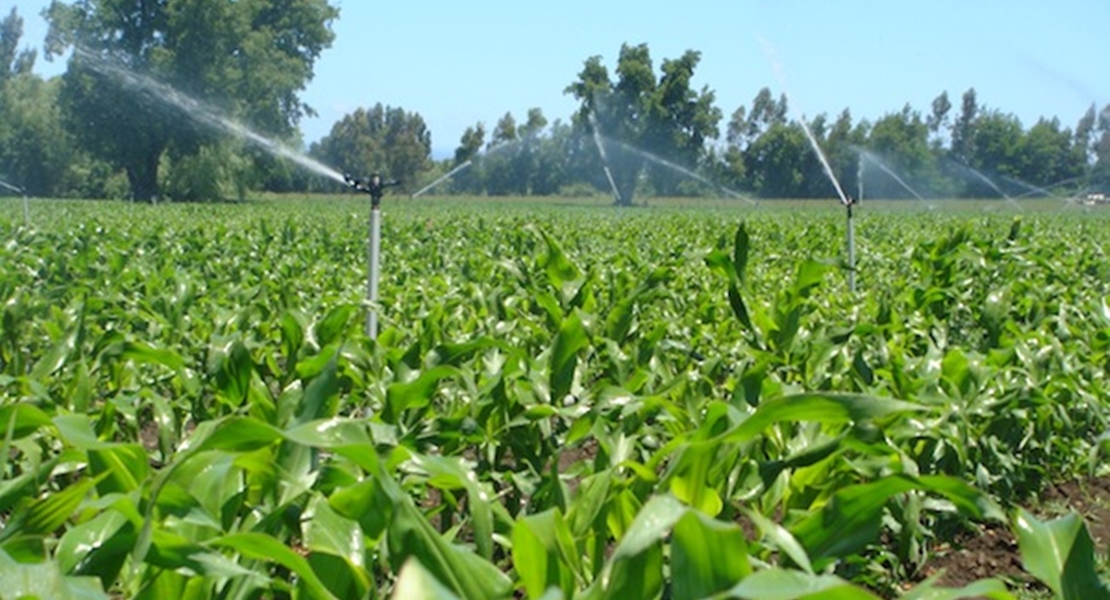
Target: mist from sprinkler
<point>987,181</point>
<point>23,192</point>
<point>680,169</point>
<point>878,162</point>
<point>1032,190</point>
<point>604,157</point>
<point>850,231</point>
<point>466,164</point>
<point>202,113</point>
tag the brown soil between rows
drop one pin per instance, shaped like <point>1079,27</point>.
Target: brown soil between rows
<point>993,552</point>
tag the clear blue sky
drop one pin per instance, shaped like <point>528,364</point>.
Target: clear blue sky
<point>458,63</point>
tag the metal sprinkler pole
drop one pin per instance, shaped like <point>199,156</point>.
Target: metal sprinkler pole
<point>373,253</point>
<point>26,211</point>
<point>374,186</point>
<point>851,249</point>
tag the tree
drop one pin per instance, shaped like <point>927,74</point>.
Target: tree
<point>1046,155</point>
<point>901,141</point>
<point>639,115</point>
<point>501,178</point>
<point>381,139</point>
<point>470,144</point>
<point>1100,172</point>
<point>778,160</point>
<point>247,60</point>
<point>963,130</point>
<point>938,120</point>
<point>13,61</point>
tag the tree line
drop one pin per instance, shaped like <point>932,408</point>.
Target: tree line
<point>638,130</point>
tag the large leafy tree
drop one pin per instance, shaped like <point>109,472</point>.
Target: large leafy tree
<point>901,141</point>
<point>388,140</point>
<point>639,113</point>
<point>247,60</point>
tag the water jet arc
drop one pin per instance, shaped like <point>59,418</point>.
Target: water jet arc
<point>201,113</point>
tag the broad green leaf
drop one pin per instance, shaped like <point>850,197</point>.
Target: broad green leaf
<point>142,353</point>
<point>544,554</point>
<point>1061,554</point>
<point>45,581</point>
<point>367,503</point>
<point>707,557</point>
<point>327,531</point>
<point>22,419</point>
<point>740,249</point>
<point>818,407</point>
<point>97,547</point>
<point>588,503</point>
<point>447,473</point>
<point>411,535</point>
<point>329,329</point>
<point>984,588</point>
<point>417,393</point>
<point>320,395</point>
<point>852,517</point>
<point>125,468</point>
<point>258,546</point>
<point>690,482</point>
<point>414,582</point>
<point>569,341</point>
<point>782,539</point>
<point>780,584</point>
<point>44,516</point>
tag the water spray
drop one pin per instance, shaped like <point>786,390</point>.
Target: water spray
<point>443,177</point>
<point>375,187</point>
<point>26,208</point>
<point>604,157</point>
<point>846,200</point>
<point>201,113</point>
<point>864,154</point>
<point>987,181</point>
<point>670,165</point>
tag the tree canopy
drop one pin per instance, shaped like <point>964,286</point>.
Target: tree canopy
<point>248,60</point>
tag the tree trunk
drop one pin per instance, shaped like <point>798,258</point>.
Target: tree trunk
<point>142,174</point>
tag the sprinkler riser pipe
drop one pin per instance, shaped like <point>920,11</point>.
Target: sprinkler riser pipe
<point>851,233</point>
<point>374,244</point>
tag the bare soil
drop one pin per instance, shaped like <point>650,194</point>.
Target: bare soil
<point>993,552</point>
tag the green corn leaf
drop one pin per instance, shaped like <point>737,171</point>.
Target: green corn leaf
<point>544,554</point>
<point>817,407</point>
<point>320,395</point>
<point>707,557</point>
<point>1061,554</point>
<point>852,517</point>
<point>21,420</point>
<point>781,584</point>
<point>740,248</point>
<point>367,503</point>
<point>782,539</point>
<point>417,583</point>
<point>412,536</point>
<point>97,547</point>
<point>417,393</point>
<point>45,580</point>
<point>46,515</point>
<point>447,473</point>
<point>991,589</point>
<point>331,328</point>
<point>570,340</point>
<point>257,546</point>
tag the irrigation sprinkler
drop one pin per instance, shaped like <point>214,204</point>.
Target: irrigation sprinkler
<point>375,187</point>
<point>26,208</point>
